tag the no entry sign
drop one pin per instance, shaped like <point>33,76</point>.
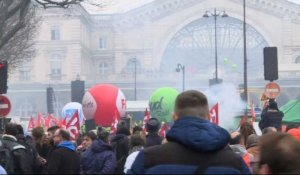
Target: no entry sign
<point>272,90</point>
<point>5,106</point>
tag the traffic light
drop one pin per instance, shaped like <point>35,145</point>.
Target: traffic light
<point>3,77</point>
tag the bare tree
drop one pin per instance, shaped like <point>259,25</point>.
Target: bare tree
<point>17,40</point>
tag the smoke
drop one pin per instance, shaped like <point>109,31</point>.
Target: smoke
<point>230,103</point>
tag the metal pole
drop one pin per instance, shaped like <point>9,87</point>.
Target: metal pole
<point>135,79</point>
<point>216,48</point>
<point>183,78</point>
<point>245,59</point>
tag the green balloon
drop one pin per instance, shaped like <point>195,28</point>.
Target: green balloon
<point>226,60</point>
<point>162,103</point>
<point>234,66</point>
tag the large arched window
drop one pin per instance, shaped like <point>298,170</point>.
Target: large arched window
<point>297,61</point>
<point>194,47</point>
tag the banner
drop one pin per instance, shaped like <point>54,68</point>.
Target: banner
<point>214,114</point>
<point>73,126</point>
<point>146,119</point>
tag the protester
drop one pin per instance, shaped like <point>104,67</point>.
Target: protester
<point>295,132</point>
<point>252,146</point>
<point>87,141</point>
<point>280,154</point>
<point>195,145</point>
<point>63,159</point>
<point>268,130</point>
<point>99,158</point>
<point>31,151</point>
<point>246,129</point>
<point>271,116</point>
<point>237,145</point>
<point>152,127</point>
<point>14,158</point>
<point>137,143</point>
<point>50,139</point>
<point>137,130</point>
<point>40,140</point>
<point>120,145</point>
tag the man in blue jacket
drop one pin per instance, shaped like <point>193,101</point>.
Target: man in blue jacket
<point>194,144</point>
<point>64,159</point>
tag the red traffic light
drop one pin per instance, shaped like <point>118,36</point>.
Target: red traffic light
<point>1,65</point>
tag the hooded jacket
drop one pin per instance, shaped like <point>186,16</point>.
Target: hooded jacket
<point>194,146</point>
<point>120,145</point>
<point>64,160</point>
<point>98,159</point>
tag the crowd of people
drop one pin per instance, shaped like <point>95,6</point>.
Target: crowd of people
<point>193,145</point>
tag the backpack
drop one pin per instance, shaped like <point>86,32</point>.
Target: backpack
<point>6,155</point>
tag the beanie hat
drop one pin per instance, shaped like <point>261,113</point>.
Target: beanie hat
<point>273,105</point>
<point>252,141</point>
<point>153,125</point>
<point>295,133</point>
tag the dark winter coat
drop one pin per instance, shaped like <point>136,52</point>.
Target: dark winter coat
<point>153,139</point>
<point>98,159</point>
<point>20,156</point>
<point>271,119</point>
<point>120,145</point>
<point>32,153</point>
<point>64,160</point>
<point>194,146</point>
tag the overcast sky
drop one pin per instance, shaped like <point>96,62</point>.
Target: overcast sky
<point>121,6</point>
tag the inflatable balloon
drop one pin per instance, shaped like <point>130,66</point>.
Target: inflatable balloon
<point>69,110</point>
<point>162,103</point>
<point>102,103</point>
<point>234,66</point>
<point>226,60</point>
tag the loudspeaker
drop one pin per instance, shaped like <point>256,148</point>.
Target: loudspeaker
<point>77,91</point>
<point>90,124</point>
<point>50,95</point>
<point>214,81</point>
<point>270,63</point>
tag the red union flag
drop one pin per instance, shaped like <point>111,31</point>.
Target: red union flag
<point>73,126</point>
<point>146,119</point>
<point>214,114</point>
<point>31,124</point>
<point>114,124</point>
<point>253,112</point>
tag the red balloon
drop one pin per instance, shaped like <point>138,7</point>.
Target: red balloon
<point>103,103</point>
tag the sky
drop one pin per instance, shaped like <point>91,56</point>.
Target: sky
<point>121,6</point>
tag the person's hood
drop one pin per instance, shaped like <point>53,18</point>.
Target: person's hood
<point>118,137</point>
<point>239,149</point>
<point>198,134</point>
<point>99,146</point>
<point>9,137</point>
<point>67,144</point>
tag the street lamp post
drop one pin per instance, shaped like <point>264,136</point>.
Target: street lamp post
<point>215,14</point>
<point>245,58</point>
<point>181,68</point>
<point>135,61</point>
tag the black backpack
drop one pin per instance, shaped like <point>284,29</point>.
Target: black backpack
<point>6,155</point>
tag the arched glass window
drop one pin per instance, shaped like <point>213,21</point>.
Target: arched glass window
<point>297,61</point>
<point>103,68</point>
<point>133,65</point>
<point>194,47</point>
